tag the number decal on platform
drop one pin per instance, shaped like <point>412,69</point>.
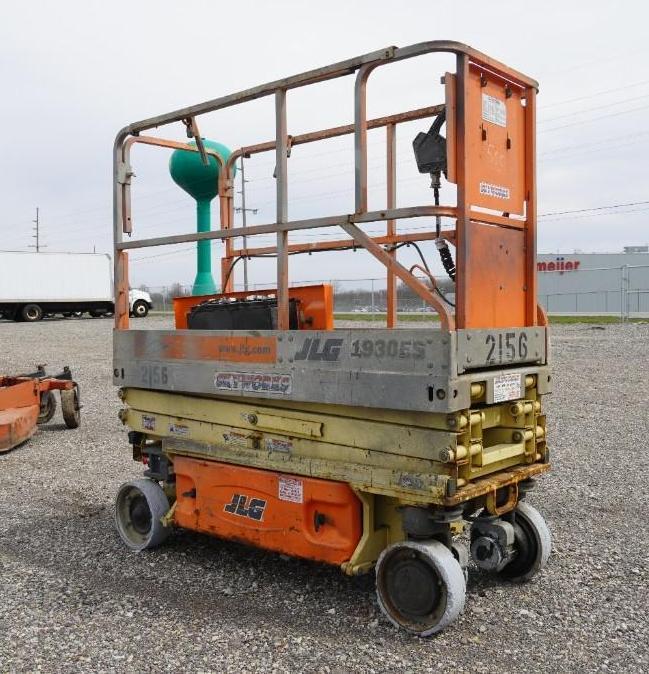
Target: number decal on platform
<point>506,347</point>
<point>154,375</point>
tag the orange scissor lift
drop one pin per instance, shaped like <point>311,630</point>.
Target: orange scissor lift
<point>364,448</point>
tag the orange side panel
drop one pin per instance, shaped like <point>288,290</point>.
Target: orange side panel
<point>495,142</point>
<point>16,392</point>
<point>316,305</point>
<point>303,517</point>
<point>495,294</point>
<point>17,425</point>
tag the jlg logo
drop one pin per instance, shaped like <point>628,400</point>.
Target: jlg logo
<point>242,506</point>
<point>311,349</point>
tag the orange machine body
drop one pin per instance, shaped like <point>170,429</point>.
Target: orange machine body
<point>304,517</point>
<point>20,403</point>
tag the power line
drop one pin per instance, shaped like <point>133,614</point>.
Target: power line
<point>595,119</point>
<point>590,109</point>
<point>595,208</point>
<point>594,95</point>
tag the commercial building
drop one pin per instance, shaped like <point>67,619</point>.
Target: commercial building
<point>595,283</point>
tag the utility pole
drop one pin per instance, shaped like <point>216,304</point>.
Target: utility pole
<point>243,211</point>
<point>37,235</point>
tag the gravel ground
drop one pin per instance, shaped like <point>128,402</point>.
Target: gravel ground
<point>73,599</point>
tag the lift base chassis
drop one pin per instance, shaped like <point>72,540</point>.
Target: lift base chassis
<point>403,419</point>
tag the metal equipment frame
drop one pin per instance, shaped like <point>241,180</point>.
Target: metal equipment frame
<point>459,165</point>
<point>360,447</point>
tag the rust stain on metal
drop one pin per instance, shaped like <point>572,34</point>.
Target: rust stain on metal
<point>490,483</point>
<point>223,348</point>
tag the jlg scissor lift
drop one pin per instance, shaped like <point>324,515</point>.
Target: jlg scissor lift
<point>364,448</point>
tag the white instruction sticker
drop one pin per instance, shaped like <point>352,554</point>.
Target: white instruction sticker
<point>494,110</point>
<point>507,387</point>
<point>497,191</point>
<point>290,489</point>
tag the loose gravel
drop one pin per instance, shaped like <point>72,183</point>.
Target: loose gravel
<point>73,599</point>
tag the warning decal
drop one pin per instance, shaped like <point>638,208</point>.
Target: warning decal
<point>507,387</point>
<point>494,110</point>
<point>290,489</point>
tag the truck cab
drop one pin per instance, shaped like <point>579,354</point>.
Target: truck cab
<point>139,303</point>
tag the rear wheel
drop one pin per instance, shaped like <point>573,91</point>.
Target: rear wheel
<point>71,408</point>
<point>139,508</point>
<point>420,586</point>
<point>95,313</point>
<point>31,313</point>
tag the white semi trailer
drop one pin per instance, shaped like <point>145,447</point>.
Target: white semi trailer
<point>33,285</point>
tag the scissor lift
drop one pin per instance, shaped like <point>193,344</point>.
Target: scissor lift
<point>364,448</point>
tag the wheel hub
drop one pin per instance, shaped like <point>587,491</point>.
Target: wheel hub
<point>413,586</point>
<point>140,515</point>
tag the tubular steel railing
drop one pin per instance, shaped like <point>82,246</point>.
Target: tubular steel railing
<point>363,66</point>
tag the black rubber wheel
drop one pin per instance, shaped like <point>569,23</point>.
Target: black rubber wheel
<point>66,314</point>
<point>532,542</point>
<point>139,508</point>
<point>31,313</point>
<point>140,309</point>
<point>77,314</point>
<point>95,313</point>
<point>48,408</point>
<point>70,408</point>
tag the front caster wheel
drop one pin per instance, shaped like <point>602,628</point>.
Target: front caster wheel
<point>139,508</point>
<point>532,543</point>
<point>420,586</point>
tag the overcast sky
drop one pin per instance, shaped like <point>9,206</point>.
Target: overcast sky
<point>74,73</point>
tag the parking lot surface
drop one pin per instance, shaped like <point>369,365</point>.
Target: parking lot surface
<point>72,598</point>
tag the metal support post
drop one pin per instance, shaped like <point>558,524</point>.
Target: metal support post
<point>281,174</point>
<point>391,139</point>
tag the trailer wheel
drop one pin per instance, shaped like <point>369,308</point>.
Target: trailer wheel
<point>139,508</point>
<point>31,313</point>
<point>140,309</point>
<point>533,544</point>
<point>95,313</point>
<point>71,408</point>
<point>420,586</point>
<point>48,408</point>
